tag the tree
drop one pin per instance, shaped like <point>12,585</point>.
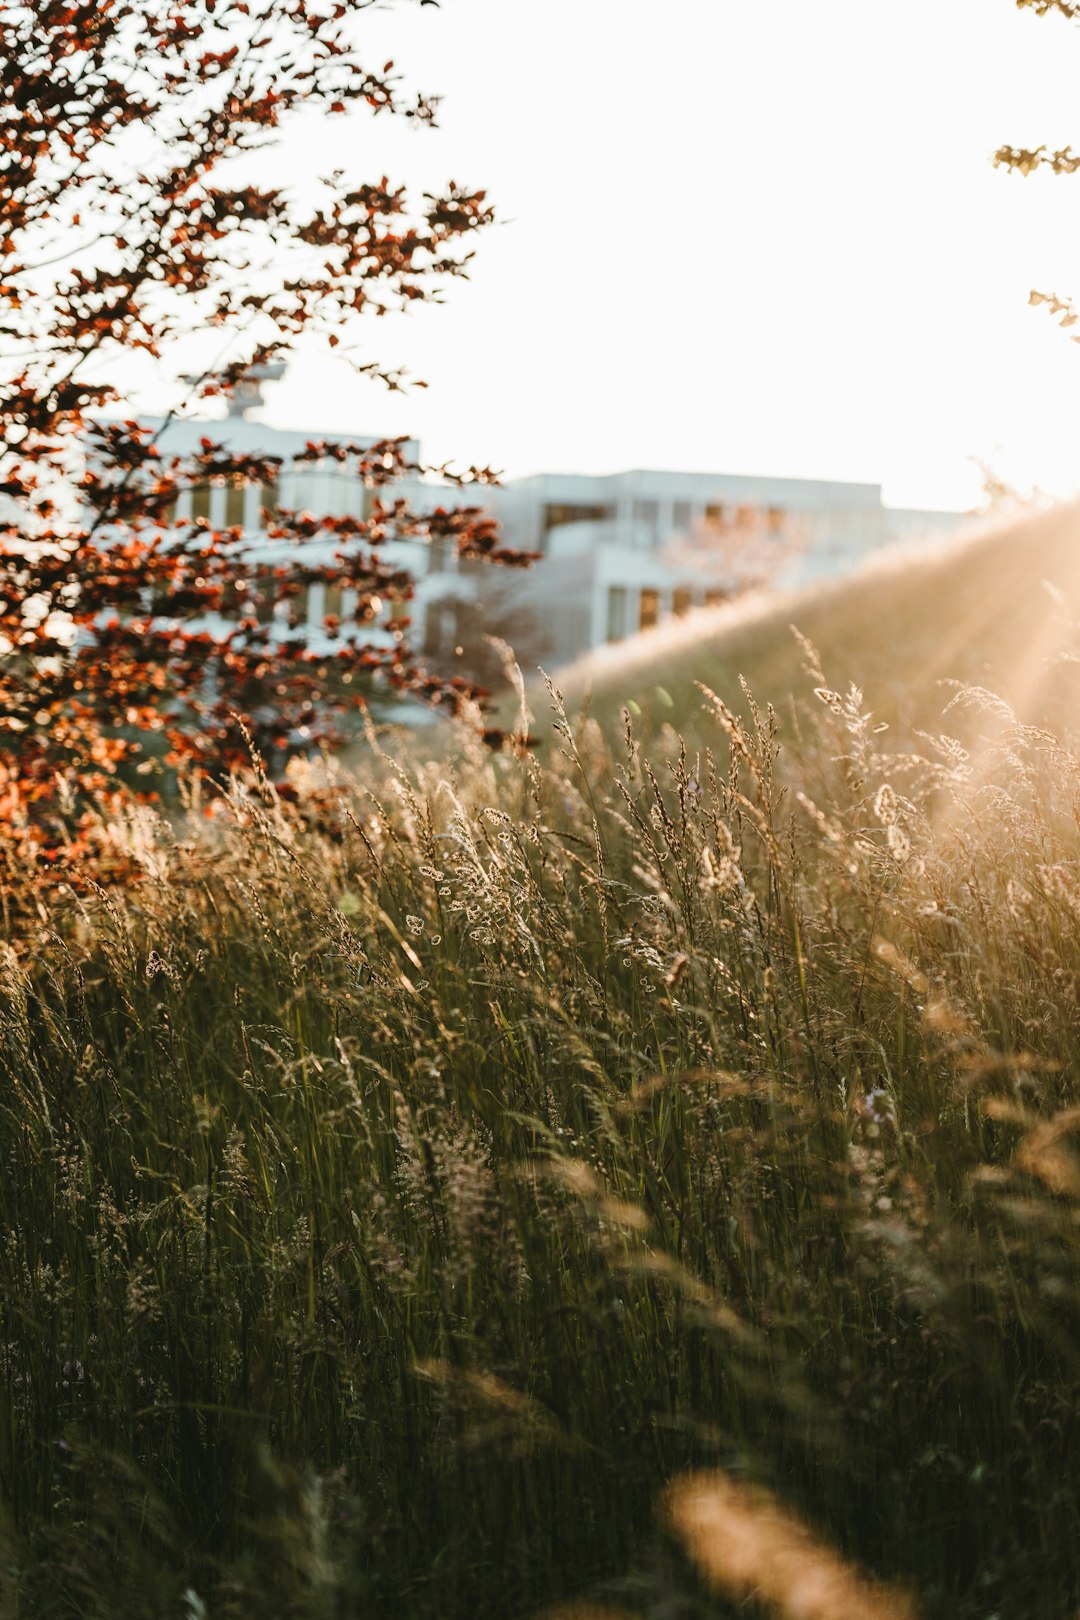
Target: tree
<point>130,215</point>
<point>473,633</point>
<point>1027,160</point>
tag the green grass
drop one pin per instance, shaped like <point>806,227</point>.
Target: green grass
<point>401,1188</point>
<point>992,609</point>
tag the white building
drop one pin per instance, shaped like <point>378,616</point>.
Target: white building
<point>327,487</point>
<point>621,552</point>
<point>624,551</point>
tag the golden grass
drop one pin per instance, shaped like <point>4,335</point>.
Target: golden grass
<point>405,1183</point>
<point>749,1547</point>
<point>996,606</point>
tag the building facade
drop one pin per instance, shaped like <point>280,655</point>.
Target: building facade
<point>626,551</point>
<point>325,488</point>
<point>620,552</point>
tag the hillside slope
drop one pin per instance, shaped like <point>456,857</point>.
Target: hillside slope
<point>996,608</point>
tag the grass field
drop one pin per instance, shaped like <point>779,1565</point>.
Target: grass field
<point>994,608</point>
<point>639,1176</point>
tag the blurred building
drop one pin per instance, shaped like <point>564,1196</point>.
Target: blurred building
<point>625,551</point>
<point>620,552</point>
<point>328,487</point>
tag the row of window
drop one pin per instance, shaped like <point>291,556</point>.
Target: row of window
<point>236,504</point>
<point>717,515</point>
<point>232,505</point>
<point>316,603</point>
<point>649,607</point>
<point>560,513</point>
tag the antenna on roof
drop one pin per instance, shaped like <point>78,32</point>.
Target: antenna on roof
<point>246,392</point>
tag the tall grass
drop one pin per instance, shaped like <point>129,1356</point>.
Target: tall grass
<point>404,1186</point>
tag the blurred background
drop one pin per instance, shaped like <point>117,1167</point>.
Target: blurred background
<point>734,237</point>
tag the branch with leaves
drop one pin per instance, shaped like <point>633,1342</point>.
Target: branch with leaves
<point>1026,161</point>
<point>1041,8</point>
<point>131,216</point>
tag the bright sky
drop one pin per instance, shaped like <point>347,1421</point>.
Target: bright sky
<point>738,237</point>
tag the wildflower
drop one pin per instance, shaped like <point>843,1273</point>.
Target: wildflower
<point>877,1105</point>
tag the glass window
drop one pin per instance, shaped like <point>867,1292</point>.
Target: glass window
<point>264,598</point>
<point>234,506</point>
<point>561,512</point>
<point>269,501</point>
<point>616,612</point>
<point>682,600</point>
<point>713,598</point>
<point>332,605</point>
<point>299,606</point>
<point>716,514</point>
<point>200,502</point>
<point>647,513</point>
<point>649,612</point>
<point>681,517</point>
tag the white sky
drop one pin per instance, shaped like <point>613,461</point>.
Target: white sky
<point>738,236</point>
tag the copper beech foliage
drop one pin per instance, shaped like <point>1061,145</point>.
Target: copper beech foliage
<point>1028,160</point>
<point>130,131</point>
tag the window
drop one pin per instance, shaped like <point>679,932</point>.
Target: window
<point>264,597</point>
<point>269,500</point>
<point>649,611</point>
<point>333,603</point>
<point>647,513</point>
<point>234,506</point>
<point>681,517</point>
<point>616,612</point>
<point>200,502</point>
<point>437,622</point>
<point>713,598</point>
<point>299,607</point>
<point>776,520</point>
<point>682,600</point>
<point>558,514</point>
<point>717,515</point>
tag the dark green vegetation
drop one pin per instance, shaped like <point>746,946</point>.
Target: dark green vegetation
<point>401,1188</point>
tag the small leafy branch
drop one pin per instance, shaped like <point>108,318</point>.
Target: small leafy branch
<point>1028,160</point>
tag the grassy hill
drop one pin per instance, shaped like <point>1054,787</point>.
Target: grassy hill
<point>995,608</point>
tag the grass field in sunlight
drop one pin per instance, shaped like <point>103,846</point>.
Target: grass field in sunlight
<point>637,1179</point>
<point>997,607</point>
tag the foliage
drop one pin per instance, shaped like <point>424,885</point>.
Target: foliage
<point>406,1181</point>
<point>483,621</point>
<point>1028,160</point>
<point>1064,8</point>
<point>133,136</point>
